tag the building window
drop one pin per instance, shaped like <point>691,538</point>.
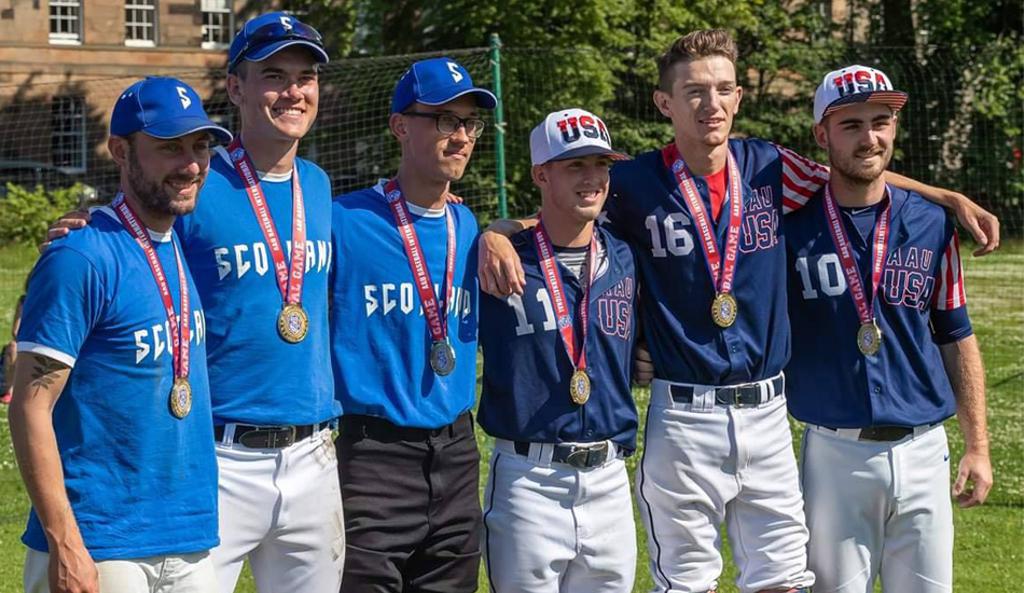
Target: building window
<point>67,140</point>
<point>218,24</point>
<point>140,23</point>
<point>65,21</point>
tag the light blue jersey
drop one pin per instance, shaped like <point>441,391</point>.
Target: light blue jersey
<point>379,336</point>
<point>256,377</point>
<point>141,482</point>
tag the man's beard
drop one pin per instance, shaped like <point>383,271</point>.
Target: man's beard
<point>851,169</point>
<point>152,195</point>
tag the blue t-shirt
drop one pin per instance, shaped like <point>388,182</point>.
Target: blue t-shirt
<point>921,302</point>
<point>141,482</point>
<point>526,371</point>
<point>646,206</point>
<point>379,335</point>
<point>257,377</point>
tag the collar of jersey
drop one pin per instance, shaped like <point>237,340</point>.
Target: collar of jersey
<point>155,236</point>
<point>263,176</point>
<point>417,210</point>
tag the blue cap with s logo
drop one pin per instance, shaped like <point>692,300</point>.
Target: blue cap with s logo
<point>263,36</point>
<point>435,82</point>
<point>163,108</point>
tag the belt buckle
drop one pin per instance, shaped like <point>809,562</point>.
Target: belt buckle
<point>737,400</point>
<point>277,437</point>
<point>289,432</point>
<point>581,456</point>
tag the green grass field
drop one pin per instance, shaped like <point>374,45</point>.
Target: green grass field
<point>988,539</point>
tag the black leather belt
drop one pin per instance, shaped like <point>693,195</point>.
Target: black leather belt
<point>740,396</point>
<point>578,456</point>
<point>355,426</point>
<point>269,437</point>
<point>883,434</point>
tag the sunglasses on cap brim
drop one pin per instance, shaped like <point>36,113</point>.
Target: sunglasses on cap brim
<point>275,32</point>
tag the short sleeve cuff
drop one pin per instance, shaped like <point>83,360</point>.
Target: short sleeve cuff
<point>48,352</point>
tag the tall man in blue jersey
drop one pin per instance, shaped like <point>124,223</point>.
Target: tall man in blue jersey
<point>259,247</point>
<point>558,514</point>
<point>110,418</point>
<point>403,339</point>
<point>875,280</point>
<point>718,447</point>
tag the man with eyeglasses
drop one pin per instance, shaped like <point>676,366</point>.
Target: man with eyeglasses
<point>403,340</point>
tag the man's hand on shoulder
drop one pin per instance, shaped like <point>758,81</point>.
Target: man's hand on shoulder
<point>498,265</point>
<point>70,221</point>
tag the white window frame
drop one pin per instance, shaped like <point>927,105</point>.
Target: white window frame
<point>65,38</point>
<point>225,10</point>
<point>142,5</point>
<point>71,136</point>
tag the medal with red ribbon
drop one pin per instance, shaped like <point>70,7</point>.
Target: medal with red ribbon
<point>724,307</point>
<point>442,355</point>
<point>180,400</point>
<point>869,335</point>
<point>579,384</point>
<point>292,322</point>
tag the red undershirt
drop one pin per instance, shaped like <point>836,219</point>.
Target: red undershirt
<point>716,191</point>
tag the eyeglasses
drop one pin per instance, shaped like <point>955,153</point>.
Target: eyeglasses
<point>277,31</point>
<point>447,123</point>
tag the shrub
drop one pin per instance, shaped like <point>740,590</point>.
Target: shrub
<point>25,214</point>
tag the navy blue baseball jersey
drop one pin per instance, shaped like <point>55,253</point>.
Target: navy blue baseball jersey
<point>256,377</point>
<point>686,345</point>
<point>140,481</point>
<point>920,302</point>
<point>526,370</point>
<point>380,341</point>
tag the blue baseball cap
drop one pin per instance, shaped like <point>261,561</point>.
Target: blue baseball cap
<point>162,108</point>
<point>435,82</point>
<point>263,36</point>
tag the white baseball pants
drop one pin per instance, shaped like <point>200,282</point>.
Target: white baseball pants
<point>281,508</point>
<point>705,464</point>
<point>553,528</point>
<point>879,509</point>
<point>186,573</point>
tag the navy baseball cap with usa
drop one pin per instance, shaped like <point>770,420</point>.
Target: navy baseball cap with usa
<point>435,82</point>
<point>855,84</point>
<point>162,107</point>
<point>263,36</point>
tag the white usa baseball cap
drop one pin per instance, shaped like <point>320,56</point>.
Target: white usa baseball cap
<point>855,84</point>
<point>571,133</point>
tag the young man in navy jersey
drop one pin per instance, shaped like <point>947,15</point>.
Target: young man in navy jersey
<point>558,515</point>
<point>259,248</point>
<point>403,340</point>
<point>110,418</point>
<point>717,445</point>
<point>875,280</point>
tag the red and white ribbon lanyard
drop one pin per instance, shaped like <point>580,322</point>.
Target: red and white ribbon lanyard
<point>553,281</point>
<point>437,320</point>
<point>722,272</point>
<point>289,279</point>
<point>862,300</point>
<point>180,333</point>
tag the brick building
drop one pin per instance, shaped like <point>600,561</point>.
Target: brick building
<point>63,63</point>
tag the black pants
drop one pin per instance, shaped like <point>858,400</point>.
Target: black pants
<point>412,508</point>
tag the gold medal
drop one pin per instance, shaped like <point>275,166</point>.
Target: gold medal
<point>579,387</point>
<point>181,397</point>
<point>293,323</point>
<point>442,357</point>
<point>869,338</point>
<point>724,309</point>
